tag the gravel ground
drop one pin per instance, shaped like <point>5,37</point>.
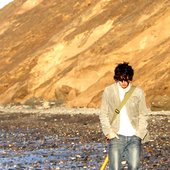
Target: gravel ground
<point>34,140</point>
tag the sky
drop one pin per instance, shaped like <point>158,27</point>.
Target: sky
<point>4,2</point>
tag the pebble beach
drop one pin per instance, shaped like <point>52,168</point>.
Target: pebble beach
<point>65,138</point>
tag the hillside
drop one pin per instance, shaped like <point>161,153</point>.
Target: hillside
<point>67,50</point>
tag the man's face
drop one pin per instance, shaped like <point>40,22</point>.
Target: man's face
<point>124,83</point>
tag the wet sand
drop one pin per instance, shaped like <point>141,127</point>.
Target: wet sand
<point>63,141</point>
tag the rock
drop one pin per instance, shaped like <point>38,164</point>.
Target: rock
<point>159,103</point>
<point>74,142</point>
<point>46,105</point>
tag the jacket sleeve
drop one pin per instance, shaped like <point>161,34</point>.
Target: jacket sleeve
<point>143,116</point>
<point>103,116</point>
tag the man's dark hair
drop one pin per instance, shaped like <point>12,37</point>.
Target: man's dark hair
<point>123,71</point>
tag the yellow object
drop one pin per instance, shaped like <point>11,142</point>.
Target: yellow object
<point>105,163</point>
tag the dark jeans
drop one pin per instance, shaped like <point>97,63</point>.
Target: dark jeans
<point>125,148</point>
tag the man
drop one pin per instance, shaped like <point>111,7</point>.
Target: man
<point>126,129</point>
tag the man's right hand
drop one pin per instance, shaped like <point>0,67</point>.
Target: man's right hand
<point>112,135</point>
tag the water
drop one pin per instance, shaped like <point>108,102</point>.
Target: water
<point>17,151</point>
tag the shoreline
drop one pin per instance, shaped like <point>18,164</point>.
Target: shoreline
<point>65,110</point>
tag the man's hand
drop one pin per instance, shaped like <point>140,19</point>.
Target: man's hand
<point>112,135</point>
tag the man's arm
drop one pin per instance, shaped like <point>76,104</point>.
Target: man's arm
<point>143,116</point>
<point>104,118</point>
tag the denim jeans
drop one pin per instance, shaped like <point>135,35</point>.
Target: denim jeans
<point>125,148</point>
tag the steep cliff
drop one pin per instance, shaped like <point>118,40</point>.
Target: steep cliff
<point>67,50</point>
